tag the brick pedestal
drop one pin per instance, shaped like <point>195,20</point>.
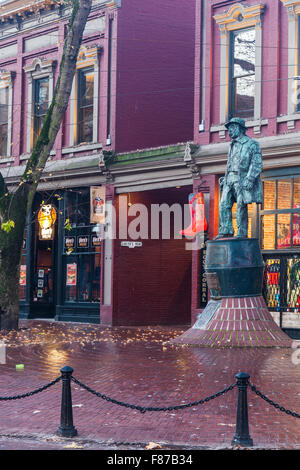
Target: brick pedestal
<point>237,323</point>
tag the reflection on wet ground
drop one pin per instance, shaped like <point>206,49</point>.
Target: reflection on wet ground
<point>139,366</point>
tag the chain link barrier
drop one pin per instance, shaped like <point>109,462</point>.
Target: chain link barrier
<point>272,403</point>
<point>33,392</point>
<point>143,409</point>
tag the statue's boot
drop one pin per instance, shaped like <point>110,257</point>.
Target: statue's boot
<point>223,235</point>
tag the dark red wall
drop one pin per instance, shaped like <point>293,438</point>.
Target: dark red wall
<point>155,73</point>
<point>152,283</point>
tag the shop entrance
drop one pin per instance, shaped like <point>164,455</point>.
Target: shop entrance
<point>43,262</point>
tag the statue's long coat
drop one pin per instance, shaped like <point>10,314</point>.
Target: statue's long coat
<point>250,166</point>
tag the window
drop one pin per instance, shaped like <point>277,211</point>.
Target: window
<point>242,74</point>
<point>280,217</point>
<point>241,64</point>
<point>40,77</point>
<point>40,105</point>
<point>81,251</point>
<point>3,121</point>
<point>84,99</point>
<point>85,105</point>
<point>292,32</point>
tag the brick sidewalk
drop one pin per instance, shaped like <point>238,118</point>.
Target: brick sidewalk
<point>136,366</point>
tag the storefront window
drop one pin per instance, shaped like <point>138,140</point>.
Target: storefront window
<point>283,231</point>
<point>82,250</point>
<point>83,278</point>
<point>284,194</point>
<point>77,210</point>
<point>268,232</point>
<point>296,195</point>
<point>281,214</point>
<point>269,195</point>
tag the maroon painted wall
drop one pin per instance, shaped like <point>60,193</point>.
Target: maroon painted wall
<point>155,73</point>
<point>152,283</point>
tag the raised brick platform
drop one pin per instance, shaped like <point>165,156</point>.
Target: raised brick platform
<point>237,322</point>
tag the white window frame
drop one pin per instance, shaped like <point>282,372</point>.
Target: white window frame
<point>39,68</point>
<point>88,57</point>
<point>6,81</point>
<point>237,17</point>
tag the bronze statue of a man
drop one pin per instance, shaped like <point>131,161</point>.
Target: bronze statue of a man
<point>242,183</point>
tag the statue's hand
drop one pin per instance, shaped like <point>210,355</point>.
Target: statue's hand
<point>247,184</point>
<point>221,181</point>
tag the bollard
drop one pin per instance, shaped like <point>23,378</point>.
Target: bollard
<point>66,428</point>
<point>241,436</point>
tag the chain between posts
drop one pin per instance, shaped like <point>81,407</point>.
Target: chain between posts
<point>143,409</point>
<point>272,403</point>
<point>33,392</point>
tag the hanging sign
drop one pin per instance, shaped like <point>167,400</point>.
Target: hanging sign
<point>69,242</point>
<point>96,241</point>
<point>22,280</point>
<point>46,218</point>
<point>82,241</point>
<point>71,274</point>
<point>97,201</point>
<point>197,213</point>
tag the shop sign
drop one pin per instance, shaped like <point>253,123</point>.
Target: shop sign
<point>82,241</point>
<point>71,274</point>
<point>69,242</point>
<point>132,244</point>
<point>46,218</point>
<point>96,241</point>
<point>22,280</point>
<point>97,201</point>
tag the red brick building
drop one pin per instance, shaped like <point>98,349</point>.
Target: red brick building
<point>133,89</point>
<point>247,65</point>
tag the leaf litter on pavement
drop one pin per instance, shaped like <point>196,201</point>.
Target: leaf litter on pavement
<point>44,333</point>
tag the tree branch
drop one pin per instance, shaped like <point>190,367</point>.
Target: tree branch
<point>58,106</point>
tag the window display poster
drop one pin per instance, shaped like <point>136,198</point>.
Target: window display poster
<point>82,241</point>
<point>69,242</point>
<point>71,274</point>
<point>22,280</point>
<point>97,201</point>
<point>96,241</point>
<point>296,227</point>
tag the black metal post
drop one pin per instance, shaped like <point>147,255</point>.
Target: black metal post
<point>66,428</point>
<point>241,436</point>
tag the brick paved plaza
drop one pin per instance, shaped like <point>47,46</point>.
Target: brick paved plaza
<point>137,366</point>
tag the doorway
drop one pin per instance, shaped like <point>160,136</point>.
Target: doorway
<point>43,267</point>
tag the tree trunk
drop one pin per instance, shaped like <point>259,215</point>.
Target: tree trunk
<point>14,207</point>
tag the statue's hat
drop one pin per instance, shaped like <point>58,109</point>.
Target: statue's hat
<point>236,120</point>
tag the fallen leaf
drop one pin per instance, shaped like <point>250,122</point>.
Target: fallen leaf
<point>74,445</point>
<point>153,445</point>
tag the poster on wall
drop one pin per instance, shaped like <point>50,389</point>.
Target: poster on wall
<point>296,227</point>
<point>96,241</point>
<point>82,241</point>
<point>22,280</point>
<point>69,242</point>
<point>97,201</point>
<point>71,274</point>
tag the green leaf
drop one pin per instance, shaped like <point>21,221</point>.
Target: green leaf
<point>7,226</point>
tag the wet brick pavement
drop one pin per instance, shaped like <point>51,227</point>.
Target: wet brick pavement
<point>137,366</point>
